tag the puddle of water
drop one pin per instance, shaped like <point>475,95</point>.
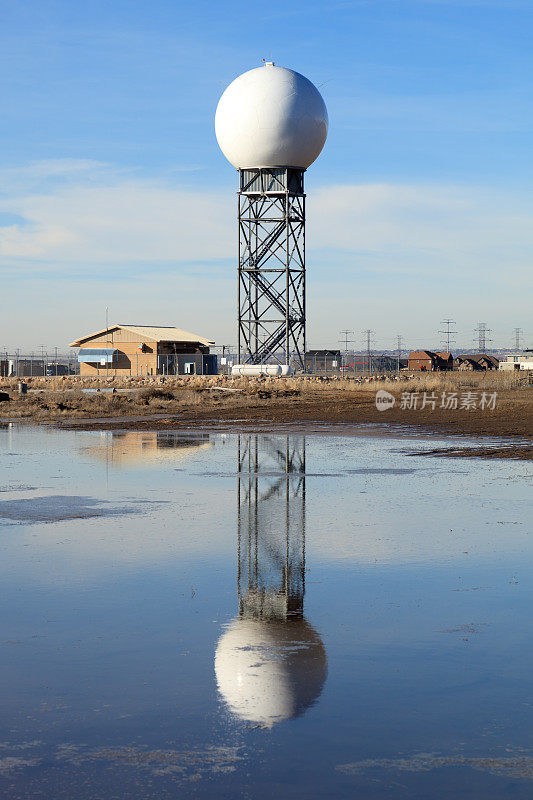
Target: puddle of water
<point>218,615</point>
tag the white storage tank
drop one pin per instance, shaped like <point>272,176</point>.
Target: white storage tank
<point>254,370</point>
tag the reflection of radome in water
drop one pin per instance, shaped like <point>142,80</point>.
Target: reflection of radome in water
<point>270,671</point>
<point>270,664</point>
<point>147,449</point>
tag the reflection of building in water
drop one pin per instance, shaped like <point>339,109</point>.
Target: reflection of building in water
<point>270,663</point>
<point>131,449</point>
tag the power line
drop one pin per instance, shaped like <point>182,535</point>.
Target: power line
<point>448,340</point>
<point>345,340</point>
<point>399,342</point>
<point>369,334</point>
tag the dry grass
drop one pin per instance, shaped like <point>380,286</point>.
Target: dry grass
<point>71,403</point>
<point>57,398</point>
<point>430,382</point>
<point>158,386</point>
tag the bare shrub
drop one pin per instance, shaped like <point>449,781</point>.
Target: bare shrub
<point>147,395</point>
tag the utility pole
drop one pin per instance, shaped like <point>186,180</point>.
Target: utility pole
<point>345,340</point>
<point>517,333</point>
<point>106,338</point>
<point>399,351</point>
<point>448,334</point>
<point>482,337</point>
<point>369,333</point>
<point>226,366</point>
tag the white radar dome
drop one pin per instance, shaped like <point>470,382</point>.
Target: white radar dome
<point>268,672</point>
<point>271,117</point>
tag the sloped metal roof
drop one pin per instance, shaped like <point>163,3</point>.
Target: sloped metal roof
<point>153,333</point>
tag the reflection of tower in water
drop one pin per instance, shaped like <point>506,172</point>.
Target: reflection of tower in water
<point>270,663</point>
<point>271,526</point>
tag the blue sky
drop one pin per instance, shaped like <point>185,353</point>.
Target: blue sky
<point>113,190</point>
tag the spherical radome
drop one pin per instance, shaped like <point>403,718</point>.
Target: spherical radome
<point>271,117</point>
<point>268,672</point>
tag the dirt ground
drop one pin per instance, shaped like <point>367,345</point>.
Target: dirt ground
<point>490,407</point>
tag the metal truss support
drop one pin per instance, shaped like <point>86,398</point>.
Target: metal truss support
<point>271,293</point>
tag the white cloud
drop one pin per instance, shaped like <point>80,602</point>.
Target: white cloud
<point>84,213</point>
<point>409,230</point>
<point>99,216</point>
<point>87,220</point>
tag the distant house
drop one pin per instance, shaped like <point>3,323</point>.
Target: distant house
<point>427,361</point>
<point>487,362</point>
<point>475,362</point>
<point>422,361</point>
<point>465,364</point>
<point>446,361</point>
<point>518,361</point>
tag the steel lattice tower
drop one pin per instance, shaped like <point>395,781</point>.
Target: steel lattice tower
<point>271,293</point>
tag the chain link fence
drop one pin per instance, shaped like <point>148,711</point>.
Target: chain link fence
<point>52,363</point>
<point>33,365</point>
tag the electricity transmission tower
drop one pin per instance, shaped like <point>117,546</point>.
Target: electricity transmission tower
<point>369,334</point>
<point>518,332</point>
<point>399,350</point>
<point>448,333</point>
<point>345,341</point>
<point>482,336</point>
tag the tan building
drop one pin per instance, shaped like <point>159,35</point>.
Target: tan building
<point>518,361</point>
<point>123,350</point>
